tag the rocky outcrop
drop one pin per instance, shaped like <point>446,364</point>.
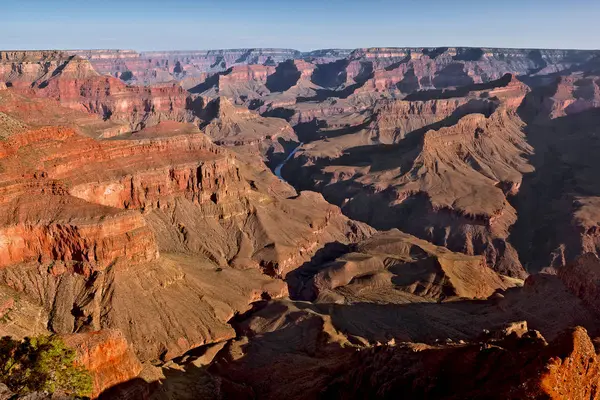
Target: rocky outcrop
<point>245,131</point>
<point>407,264</point>
<point>245,74</point>
<point>397,118</point>
<point>524,367</point>
<point>106,355</point>
<point>22,68</point>
<point>98,243</point>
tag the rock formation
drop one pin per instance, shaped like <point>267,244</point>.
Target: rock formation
<point>525,367</point>
<point>394,261</point>
<point>116,234</point>
<point>450,164</point>
<point>107,356</point>
<point>75,84</point>
<point>246,131</point>
<point>140,220</point>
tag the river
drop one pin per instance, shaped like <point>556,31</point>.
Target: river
<point>280,166</point>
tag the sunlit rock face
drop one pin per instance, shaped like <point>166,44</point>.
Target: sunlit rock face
<point>139,219</point>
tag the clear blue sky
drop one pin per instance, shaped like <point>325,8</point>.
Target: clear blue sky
<point>300,24</point>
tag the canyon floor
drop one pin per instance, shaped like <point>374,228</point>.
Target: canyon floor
<point>419,223</point>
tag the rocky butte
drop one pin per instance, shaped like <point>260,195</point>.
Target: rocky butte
<point>433,231</point>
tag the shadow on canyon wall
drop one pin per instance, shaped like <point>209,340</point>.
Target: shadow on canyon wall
<point>565,160</point>
<point>262,364</point>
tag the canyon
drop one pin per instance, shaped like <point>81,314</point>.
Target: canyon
<point>268,223</point>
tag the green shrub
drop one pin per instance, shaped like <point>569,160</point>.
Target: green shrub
<point>42,364</point>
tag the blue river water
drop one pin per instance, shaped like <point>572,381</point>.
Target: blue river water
<point>280,166</point>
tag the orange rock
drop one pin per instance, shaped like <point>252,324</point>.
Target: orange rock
<point>106,355</point>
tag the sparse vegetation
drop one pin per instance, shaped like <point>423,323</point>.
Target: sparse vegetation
<point>42,364</point>
<point>126,75</point>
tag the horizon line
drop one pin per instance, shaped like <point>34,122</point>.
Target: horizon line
<point>306,51</point>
